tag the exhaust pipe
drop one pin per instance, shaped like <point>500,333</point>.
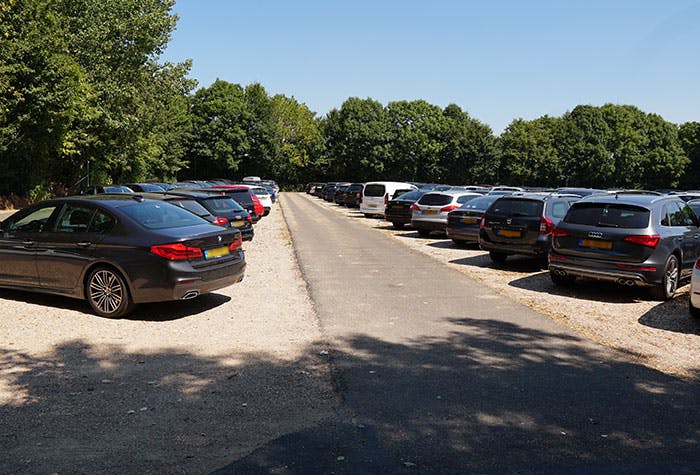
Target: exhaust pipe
<point>627,282</point>
<point>190,294</point>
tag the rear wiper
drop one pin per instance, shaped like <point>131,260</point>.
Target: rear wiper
<point>608,225</point>
<point>519,214</point>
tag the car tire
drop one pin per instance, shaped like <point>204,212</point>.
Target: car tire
<point>669,282</point>
<point>498,257</point>
<point>107,293</point>
<point>397,225</point>
<point>459,242</point>
<point>424,232</point>
<point>694,311</point>
<point>562,280</point>
<point>367,215</point>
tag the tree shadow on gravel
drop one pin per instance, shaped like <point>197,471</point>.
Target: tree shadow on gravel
<point>158,311</point>
<point>88,408</point>
<point>493,397</point>
<point>583,289</point>
<point>672,316</point>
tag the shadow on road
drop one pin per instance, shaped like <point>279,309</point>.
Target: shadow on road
<point>493,397</point>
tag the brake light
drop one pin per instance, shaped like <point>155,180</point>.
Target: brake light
<point>386,199</point>
<point>177,252</point>
<point>221,221</point>
<point>237,244</point>
<point>546,225</point>
<point>257,205</point>
<point>558,232</point>
<point>557,257</point>
<point>482,223</point>
<point>636,267</point>
<point>697,264</point>
<point>414,207</point>
<point>447,209</point>
<point>249,218</point>
<point>647,241</point>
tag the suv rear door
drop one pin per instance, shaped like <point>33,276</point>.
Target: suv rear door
<point>514,219</point>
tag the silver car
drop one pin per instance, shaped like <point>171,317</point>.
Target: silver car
<point>429,213</point>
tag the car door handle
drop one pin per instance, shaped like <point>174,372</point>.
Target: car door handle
<point>84,244</point>
<point>697,236</point>
<point>28,243</point>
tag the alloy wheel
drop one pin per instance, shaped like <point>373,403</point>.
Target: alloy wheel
<point>106,291</point>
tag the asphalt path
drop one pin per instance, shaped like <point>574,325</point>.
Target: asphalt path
<point>439,374</point>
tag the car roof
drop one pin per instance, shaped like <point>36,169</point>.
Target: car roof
<point>629,198</point>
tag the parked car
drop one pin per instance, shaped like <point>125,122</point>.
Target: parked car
<point>100,189</point>
<point>317,189</point>
<point>263,195</point>
<point>214,207</point>
<point>332,190</point>
<point>117,251</point>
<point>398,210</point>
<point>522,224</point>
<point>504,190</point>
<point>694,300</point>
<point>463,223</point>
<point>243,196</point>
<point>632,239</point>
<point>376,195</point>
<point>141,187</point>
<point>429,213</point>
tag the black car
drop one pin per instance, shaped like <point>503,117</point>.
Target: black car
<point>353,195</point>
<point>226,211</point>
<point>463,223</point>
<point>117,251</point>
<point>242,196</point>
<point>398,210</point>
<point>642,239</point>
<point>100,189</point>
<point>522,224</point>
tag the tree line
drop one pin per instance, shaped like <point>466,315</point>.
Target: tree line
<point>82,88</point>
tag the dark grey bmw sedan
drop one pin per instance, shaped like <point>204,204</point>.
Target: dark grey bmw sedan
<point>117,251</point>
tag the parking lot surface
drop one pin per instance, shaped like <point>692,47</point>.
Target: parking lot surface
<point>177,387</point>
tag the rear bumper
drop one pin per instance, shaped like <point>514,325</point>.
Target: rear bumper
<point>398,216</point>
<point>428,225</point>
<point>538,248</point>
<point>605,271</point>
<point>463,234</point>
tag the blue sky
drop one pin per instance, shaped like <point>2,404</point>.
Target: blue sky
<point>498,60</point>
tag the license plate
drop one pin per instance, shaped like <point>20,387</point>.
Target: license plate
<point>605,245</point>
<point>469,220</point>
<point>238,223</point>
<point>509,233</point>
<point>430,211</point>
<point>216,252</point>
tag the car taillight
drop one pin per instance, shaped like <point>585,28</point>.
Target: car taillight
<point>447,209</point>
<point>386,199</point>
<point>237,244</point>
<point>414,207</point>
<point>647,241</point>
<point>221,221</point>
<point>697,264</point>
<point>177,252</point>
<point>558,232</point>
<point>546,225</point>
<point>249,219</point>
<point>482,223</point>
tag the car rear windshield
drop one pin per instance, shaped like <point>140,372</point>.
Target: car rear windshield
<point>410,196</point>
<point>516,207</point>
<point>375,190</point>
<point>223,203</point>
<point>613,215</point>
<point>161,215</point>
<point>191,205</point>
<point>242,196</point>
<point>435,199</point>
<point>480,203</point>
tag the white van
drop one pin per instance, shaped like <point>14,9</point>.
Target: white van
<point>376,194</point>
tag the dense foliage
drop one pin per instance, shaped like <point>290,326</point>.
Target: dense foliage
<point>81,86</point>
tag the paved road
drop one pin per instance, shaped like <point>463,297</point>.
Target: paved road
<point>439,374</point>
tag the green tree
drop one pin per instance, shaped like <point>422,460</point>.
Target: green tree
<point>689,138</point>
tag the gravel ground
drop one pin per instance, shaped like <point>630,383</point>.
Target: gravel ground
<point>178,387</point>
<point>661,335</point>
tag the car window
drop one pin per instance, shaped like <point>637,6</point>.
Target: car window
<point>664,217</point>
<point>675,215</point>
<point>480,203</point>
<point>223,204</point>
<point>463,199</point>
<point>611,215</point>
<point>34,222</point>
<point>101,222</point>
<point>517,207</point>
<point>411,195</point>
<point>374,190</point>
<point>75,218</point>
<point>435,199</point>
<point>190,205</point>
<point>559,208</point>
<point>690,218</point>
<point>161,215</point>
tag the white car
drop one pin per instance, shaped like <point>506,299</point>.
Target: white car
<point>376,194</point>
<point>429,213</point>
<point>695,291</point>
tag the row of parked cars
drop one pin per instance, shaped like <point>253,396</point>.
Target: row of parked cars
<point>117,246</point>
<point>629,237</point>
